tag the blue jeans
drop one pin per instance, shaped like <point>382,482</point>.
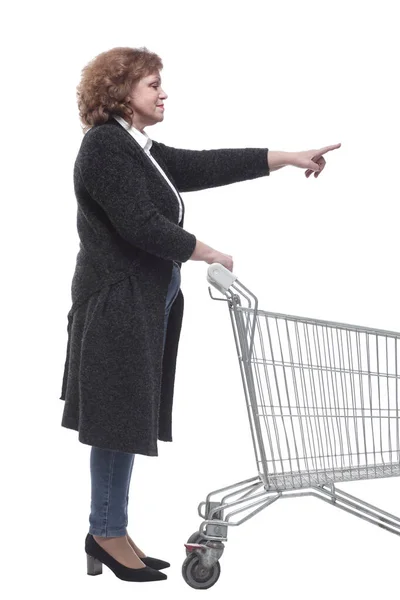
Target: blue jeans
<point>111,470</point>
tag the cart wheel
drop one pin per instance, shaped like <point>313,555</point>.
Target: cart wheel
<point>197,576</point>
<point>195,538</point>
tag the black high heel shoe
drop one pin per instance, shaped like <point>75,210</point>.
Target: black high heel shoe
<point>155,563</point>
<point>97,556</point>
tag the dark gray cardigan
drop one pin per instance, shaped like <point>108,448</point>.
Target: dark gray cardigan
<point>117,384</point>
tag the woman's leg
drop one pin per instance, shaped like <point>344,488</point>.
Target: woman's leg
<point>110,477</point>
<point>173,290</point>
<point>111,470</point>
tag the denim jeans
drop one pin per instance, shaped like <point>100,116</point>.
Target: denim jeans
<point>111,470</point>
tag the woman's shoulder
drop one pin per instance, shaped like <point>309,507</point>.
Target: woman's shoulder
<point>107,143</point>
<point>110,130</point>
<point>108,140</point>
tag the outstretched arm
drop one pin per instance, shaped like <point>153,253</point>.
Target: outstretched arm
<point>194,170</point>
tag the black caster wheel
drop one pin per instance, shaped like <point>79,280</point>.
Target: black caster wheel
<point>195,538</point>
<point>197,576</point>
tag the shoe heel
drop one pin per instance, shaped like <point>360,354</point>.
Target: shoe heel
<point>94,566</point>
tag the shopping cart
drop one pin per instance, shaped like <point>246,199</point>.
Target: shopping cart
<point>323,405</point>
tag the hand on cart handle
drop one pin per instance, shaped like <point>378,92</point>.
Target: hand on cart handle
<point>312,160</point>
<point>210,255</point>
<point>219,257</point>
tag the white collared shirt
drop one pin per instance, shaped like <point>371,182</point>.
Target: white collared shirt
<point>146,143</point>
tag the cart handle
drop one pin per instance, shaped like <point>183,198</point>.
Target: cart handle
<point>220,277</point>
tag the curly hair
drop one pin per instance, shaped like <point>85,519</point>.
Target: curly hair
<point>107,80</point>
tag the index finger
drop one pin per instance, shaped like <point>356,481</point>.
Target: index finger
<point>328,149</point>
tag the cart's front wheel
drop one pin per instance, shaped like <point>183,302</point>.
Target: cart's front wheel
<point>197,576</point>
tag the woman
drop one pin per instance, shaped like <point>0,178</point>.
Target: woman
<point>127,306</point>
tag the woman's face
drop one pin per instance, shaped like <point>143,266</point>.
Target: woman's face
<point>146,100</point>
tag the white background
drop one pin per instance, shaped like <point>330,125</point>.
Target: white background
<point>284,75</point>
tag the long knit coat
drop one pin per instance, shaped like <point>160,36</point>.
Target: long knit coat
<point>118,384</point>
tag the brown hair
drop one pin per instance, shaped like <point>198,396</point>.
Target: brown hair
<point>107,80</point>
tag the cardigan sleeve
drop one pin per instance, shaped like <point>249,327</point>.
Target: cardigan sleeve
<point>114,178</point>
<point>195,170</point>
